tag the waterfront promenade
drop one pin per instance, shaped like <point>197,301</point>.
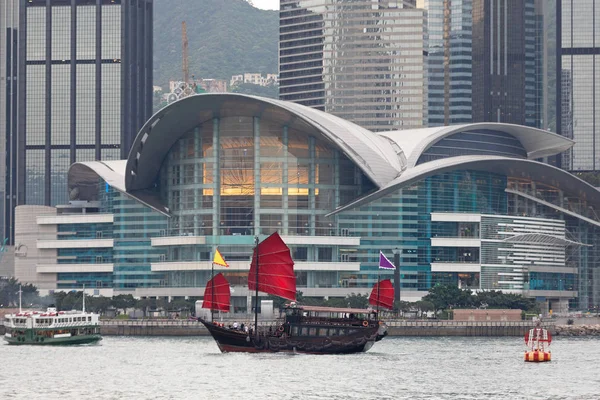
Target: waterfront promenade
<point>166,327</point>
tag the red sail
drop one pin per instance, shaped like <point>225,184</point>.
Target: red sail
<point>275,269</point>
<point>383,294</point>
<point>217,294</point>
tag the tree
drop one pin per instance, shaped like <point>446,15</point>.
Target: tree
<point>357,300</point>
<point>144,305</point>
<point>98,304</point>
<point>280,302</point>
<point>497,299</point>
<point>424,306</point>
<point>123,301</point>
<point>9,294</point>
<point>449,296</point>
<point>338,302</point>
<point>402,306</point>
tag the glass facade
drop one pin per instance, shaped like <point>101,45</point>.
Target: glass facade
<point>361,62</point>
<point>449,25</point>
<point>508,62</point>
<point>265,177</point>
<point>483,141</point>
<point>9,23</point>
<point>75,89</point>
<point>67,112</point>
<point>580,65</point>
<point>245,167</point>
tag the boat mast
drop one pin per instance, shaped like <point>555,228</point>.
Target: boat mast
<point>20,291</point>
<point>256,293</point>
<point>378,285</point>
<point>212,296</point>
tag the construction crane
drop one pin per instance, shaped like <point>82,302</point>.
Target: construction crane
<point>184,40</point>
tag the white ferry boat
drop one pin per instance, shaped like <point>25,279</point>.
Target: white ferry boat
<point>52,327</point>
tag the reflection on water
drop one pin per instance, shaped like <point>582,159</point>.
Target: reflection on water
<point>396,368</point>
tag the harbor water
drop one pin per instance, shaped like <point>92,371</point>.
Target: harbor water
<point>395,368</point>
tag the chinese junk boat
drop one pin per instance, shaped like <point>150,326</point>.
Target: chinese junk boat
<point>52,327</point>
<point>301,329</point>
<point>537,339</point>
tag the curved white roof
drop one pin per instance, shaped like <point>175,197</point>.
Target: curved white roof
<point>388,158</point>
<point>543,173</point>
<point>371,153</point>
<point>538,143</point>
<point>84,176</point>
<point>112,172</point>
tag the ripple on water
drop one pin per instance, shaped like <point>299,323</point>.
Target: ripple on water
<point>396,368</point>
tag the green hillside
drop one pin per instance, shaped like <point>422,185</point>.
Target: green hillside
<point>225,37</point>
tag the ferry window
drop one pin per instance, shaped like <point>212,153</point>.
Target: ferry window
<point>342,331</point>
<point>89,318</point>
<point>323,332</point>
<point>332,332</point>
<point>295,331</point>
<point>312,332</point>
<point>304,331</point>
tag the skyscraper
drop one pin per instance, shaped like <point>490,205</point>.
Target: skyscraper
<point>504,62</point>
<point>9,20</point>
<point>361,60</point>
<point>84,89</point>
<point>579,59</point>
<point>449,24</point>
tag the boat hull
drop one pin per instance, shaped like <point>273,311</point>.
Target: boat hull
<point>229,340</point>
<point>73,340</point>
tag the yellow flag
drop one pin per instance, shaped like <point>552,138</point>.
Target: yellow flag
<point>219,260</point>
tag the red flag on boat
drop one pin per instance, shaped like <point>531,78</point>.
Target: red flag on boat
<point>217,295</point>
<point>275,268</point>
<point>382,294</point>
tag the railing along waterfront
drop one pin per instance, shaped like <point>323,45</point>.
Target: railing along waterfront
<point>170,327</point>
<point>452,323</point>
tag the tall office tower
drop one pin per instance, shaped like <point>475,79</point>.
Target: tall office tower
<point>9,20</point>
<point>579,57</point>
<point>504,62</point>
<point>362,60</point>
<point>449,24</point>
<point>84,90</point>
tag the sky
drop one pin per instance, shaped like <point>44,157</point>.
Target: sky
<point>266,4</point>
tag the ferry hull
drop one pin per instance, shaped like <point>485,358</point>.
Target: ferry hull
<point>73,340</point>
<point>239,342</point>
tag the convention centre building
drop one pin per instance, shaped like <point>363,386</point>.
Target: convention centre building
<point>471,205</point>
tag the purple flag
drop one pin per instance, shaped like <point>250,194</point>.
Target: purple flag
<point>384,263</point>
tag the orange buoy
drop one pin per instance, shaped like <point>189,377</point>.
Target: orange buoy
<point>537,339</point>
<point>537,356</point>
